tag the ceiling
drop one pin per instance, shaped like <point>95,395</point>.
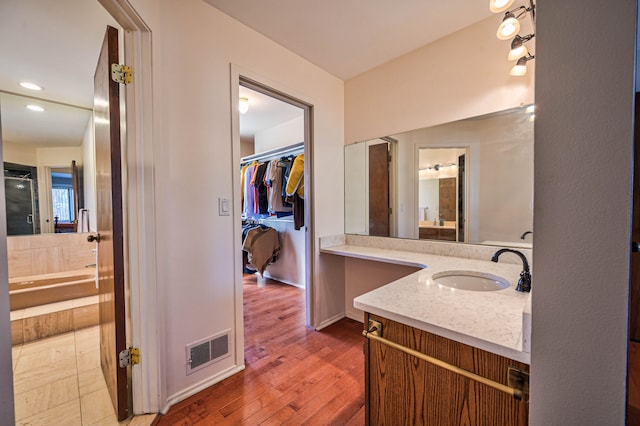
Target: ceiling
<point>56,45</point>
<point>347,38</point>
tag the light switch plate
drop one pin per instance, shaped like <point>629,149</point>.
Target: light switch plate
<point>224,207</point>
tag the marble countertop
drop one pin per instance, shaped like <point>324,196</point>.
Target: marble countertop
<point>495,321</point>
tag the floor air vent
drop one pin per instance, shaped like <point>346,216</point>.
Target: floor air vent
<point>207,351</point>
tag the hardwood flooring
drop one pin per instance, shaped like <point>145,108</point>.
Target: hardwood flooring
<point>293,376</point>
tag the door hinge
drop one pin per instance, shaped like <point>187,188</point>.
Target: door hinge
<point>129,356</point>
<point>121,73</point>
<point>390,211</point>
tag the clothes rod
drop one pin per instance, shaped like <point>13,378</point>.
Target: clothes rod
<point>273,153</point>
<point>516,393</point>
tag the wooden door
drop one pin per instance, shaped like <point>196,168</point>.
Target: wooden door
<point>461,196</point>
<point>110,223</point>
<point>379,190</point>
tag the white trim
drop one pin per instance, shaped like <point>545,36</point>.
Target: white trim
<point>310,252</point>
<point>194,389</point>
<point>329,321</point>
<point>146,324</point>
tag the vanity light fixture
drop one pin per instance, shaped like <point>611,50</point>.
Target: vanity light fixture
<point>243,105</point>
<point>520,68</point>
<point>509,28</point>
<point>498,6</point>
<point>30,86</point>
<point>36,108</point>
<point>437,167</point>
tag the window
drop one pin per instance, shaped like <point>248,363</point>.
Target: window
<point>62,196</point>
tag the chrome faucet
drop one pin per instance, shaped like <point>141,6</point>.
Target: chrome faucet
<point>525,234</point>
<point>524,283</point>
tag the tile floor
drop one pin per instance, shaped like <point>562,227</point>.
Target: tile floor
<point>58,380</point>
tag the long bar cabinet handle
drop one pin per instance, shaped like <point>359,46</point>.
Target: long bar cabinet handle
<point>516,392</point>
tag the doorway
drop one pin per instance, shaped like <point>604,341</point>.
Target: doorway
<point>273,143</point>
<point>140,214</point>
<point>290,139</point>
<point>441,193</point>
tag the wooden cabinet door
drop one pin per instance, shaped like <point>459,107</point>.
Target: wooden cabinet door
<point>403,390</point>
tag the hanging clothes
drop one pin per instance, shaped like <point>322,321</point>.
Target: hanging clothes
<point>295,191</point>
<point>248,209</point>
<point>262,245</point>
<point>295,182</point>
<point>275,182</point>
<point>262,200</point>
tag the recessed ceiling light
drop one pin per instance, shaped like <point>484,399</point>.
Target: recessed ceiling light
<point>30,86</point>
<point>35,108</point>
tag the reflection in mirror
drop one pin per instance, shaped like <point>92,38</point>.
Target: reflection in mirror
<point>465,181</point>
<point>43,151</point>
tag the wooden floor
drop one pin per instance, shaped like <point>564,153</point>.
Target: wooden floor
<point>293,376</point>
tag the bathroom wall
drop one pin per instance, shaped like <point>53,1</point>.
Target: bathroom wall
<point>433,85</point>
<point>583,158</point>
<point>194,166</point>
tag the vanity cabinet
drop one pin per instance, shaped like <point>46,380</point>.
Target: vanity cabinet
<point>434,233</point>
<point>402,389</point>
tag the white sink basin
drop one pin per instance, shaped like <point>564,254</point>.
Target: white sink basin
<point>470,280</point>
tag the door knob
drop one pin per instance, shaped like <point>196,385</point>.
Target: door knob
<point>91,238</point>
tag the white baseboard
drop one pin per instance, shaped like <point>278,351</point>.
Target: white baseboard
<point>328,322</point>
<point>268,275</point>
<point>194,389</point>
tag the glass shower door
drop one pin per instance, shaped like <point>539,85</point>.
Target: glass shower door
<point>20,206</point>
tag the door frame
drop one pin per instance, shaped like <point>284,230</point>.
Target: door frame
<point>468,198</point>
<point>271,88</point>
<point>144,322</point>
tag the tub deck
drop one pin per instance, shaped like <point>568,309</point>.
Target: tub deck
<point>37,290</point>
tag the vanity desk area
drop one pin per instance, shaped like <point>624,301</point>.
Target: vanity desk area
<point>427,230</point>
<point>484,333</point>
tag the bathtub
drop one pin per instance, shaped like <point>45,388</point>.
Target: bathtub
<point>25,292</point>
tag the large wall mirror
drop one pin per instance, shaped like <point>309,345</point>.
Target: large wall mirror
<point>45,148</point>
<point>469,181</point>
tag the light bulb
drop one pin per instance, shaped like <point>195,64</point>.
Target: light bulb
<point>243,105</point>
<point>508,28</point>
<point>518,52</point>
<point>497,6</point>
<point>518,70</point>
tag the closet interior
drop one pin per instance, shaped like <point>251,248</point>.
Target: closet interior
<point>272,188</point>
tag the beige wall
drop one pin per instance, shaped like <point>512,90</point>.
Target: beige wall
<point>432,85</point>
<point>195,165</point>
<point>583,158</point>
<point>288,133</point>
<point>19,154</point>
